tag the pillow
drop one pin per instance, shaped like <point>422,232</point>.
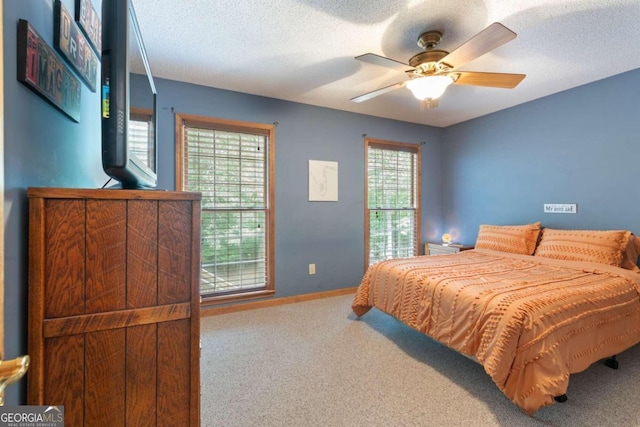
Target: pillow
<point>604,247</point>
<point>630,257</point>
<point>516,239</point>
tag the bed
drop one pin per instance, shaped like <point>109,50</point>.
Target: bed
<point>531,311</point>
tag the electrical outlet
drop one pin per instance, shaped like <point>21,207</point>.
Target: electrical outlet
<point>312,269</point>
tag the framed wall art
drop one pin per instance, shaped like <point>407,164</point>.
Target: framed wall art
<point>323,181</point>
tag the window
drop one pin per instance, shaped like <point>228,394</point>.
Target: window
<point>231,164</point>
<point>392,213</point>
<point>140,133</point>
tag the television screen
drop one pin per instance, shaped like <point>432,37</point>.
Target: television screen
<point>129,99</point>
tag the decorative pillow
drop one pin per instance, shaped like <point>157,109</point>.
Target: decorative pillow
<point>605,247</point>
<point>630,257</point>
<point>516,239</point>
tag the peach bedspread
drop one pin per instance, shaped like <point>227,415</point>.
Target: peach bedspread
<point>530,321</point>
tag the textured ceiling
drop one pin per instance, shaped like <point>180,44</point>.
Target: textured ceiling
<point>303,50</point>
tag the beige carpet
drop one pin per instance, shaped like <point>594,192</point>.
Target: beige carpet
<point>314,364</point>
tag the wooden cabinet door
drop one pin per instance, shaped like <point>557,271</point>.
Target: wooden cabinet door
<point>114,288</point>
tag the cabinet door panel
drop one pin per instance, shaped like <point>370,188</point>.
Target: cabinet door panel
<point>174,252</point>
<point>64,260</point>
<point>141,375</point>
<point>142,253</point>
<point>105,378</point>
<point>64,376</point>
<point>174,375</point>
<point>106,257</point>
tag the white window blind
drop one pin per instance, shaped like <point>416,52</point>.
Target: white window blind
<point>140,133</point>
<point>392,202</point>
<point>230,170</point>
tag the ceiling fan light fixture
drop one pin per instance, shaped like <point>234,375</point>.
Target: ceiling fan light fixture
<point>429,87</point>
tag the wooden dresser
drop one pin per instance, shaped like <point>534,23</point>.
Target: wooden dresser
<point>114,310</point>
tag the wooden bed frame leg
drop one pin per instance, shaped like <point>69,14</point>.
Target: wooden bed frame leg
<point>611,362</point>
<point>561,399</point>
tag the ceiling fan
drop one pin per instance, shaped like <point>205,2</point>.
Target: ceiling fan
<point>430,72</point>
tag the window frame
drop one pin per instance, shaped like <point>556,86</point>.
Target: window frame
<point>186,120</point>
<point>397,146</point>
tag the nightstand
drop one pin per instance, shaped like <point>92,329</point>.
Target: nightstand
<point>440,249</point>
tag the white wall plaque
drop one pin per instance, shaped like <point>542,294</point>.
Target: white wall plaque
<point>323,181</point>
<point>564,208</point>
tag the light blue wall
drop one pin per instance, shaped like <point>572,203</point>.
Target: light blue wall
<point>42,147</point>
<point>328,234</point>
<point>579,146</point>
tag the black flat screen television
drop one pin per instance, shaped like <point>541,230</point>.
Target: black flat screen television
<point>126,83</point>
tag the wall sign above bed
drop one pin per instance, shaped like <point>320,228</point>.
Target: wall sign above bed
<point>567,208</point>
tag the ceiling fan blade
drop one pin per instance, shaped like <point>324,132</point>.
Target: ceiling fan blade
<point>372,58</point>
<point>493,36</point>
<point>503,80</point>
<point>378,92</point>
